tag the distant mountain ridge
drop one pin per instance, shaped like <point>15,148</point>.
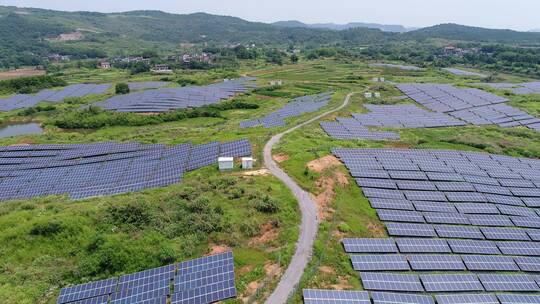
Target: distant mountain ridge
<point>340,27</point>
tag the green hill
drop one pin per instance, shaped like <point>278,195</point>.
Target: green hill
<point>474,34</point>
<point>26,33</point>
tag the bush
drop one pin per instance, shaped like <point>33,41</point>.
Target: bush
<point>133,215</point>
<point>46,229</point>
<point>265,205</point>
<point>122,88</point>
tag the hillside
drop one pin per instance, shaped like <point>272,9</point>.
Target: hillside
<point>340,27</point>
<point>27,33</point>
<point>476,34</point>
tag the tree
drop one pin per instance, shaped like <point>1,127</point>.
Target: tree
<point>294,58</point>
<point>122,88</point>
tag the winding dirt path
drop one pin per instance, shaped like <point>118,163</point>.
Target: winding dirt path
<point>308,208</point>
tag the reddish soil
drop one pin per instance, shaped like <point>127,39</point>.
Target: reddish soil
<point>217,249</point>
<point>321,164</point>
<point>279,158</point>
<point>269,232</point>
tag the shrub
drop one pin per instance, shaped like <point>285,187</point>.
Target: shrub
<point>46,229</point>
<point>265,205</point>
<point>32,84</point>
<point>133,215</point>
<point>121,88</point>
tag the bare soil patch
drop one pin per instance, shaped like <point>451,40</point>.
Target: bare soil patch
<point>269,232</point>
<point>281,157</point>
<point>376,229</point>
<point>261,172</point>
<point>321,164</point>
<point>19,73</point>
<point>217,249</point>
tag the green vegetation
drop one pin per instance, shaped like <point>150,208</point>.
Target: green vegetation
<point>95,117</point>
<point>30,84</point>
<point>121,88</point>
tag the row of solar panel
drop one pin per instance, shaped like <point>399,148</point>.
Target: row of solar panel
<point>22,101</point>
<point>444,262</point>
<point>312,296</point>
<point>203,280</point>
<point>296,107</point>
<point>167,99</point>
<point>516,88</point>
<point>104,169</point>
<point>449,282</point>
<point>457,246</point>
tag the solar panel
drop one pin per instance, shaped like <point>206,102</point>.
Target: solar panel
<point>406,229</point>
<point>204,280</point>
<point>422,245</point>
<point>369,245</point>
<point>451,282</point>
<point>399,298</point>
<point>466,299</point>
<point>315,296</point>
<point>473,247</point>
<point>88,290</point>
<point>379,262</point>
<point>518,299</point>
<point>390,282</point>
<point>400,216</point>
<point>508,234</point>
<point>462,232</point>
<point>503,282</point>
<point>489,263</point>
<point>421,262</point>
<point>528,264</point>
<point>519,248</point>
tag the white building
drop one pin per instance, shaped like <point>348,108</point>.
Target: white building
<point>226,163</point>
<point>247,163</point>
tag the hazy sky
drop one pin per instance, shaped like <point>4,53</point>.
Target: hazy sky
<point>514,14</point>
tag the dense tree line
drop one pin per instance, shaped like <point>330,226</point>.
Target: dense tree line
<point>30,84</point>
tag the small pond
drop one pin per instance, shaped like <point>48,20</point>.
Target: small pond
<point>15,129</point>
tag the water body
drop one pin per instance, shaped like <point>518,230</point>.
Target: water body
<point>16,129</point>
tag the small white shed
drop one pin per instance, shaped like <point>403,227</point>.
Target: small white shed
<point>377,95</point>
<point>226,163</point>
<point>247,163</point>
<point>368,95</point>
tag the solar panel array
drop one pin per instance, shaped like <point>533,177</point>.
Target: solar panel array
<point>472,106</point>
<point>296,107</point>
<point>88,170</point>
<point>396,66</point>
<point>147,85</point>
<point>516,88</point>
<point>167,99</point>
<point>460,72</point>
<point>22,101</point>
<point>200,281</point>
<point>389,116</point>
<point>464,226</point>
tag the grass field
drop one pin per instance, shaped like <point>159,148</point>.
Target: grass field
<point>51,242</point>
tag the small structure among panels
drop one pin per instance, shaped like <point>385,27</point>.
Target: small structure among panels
<point>22,101</point>
<point>167,99</point>
<point>204,280</point>
<point>296,107</point>
<point>88,170</point>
